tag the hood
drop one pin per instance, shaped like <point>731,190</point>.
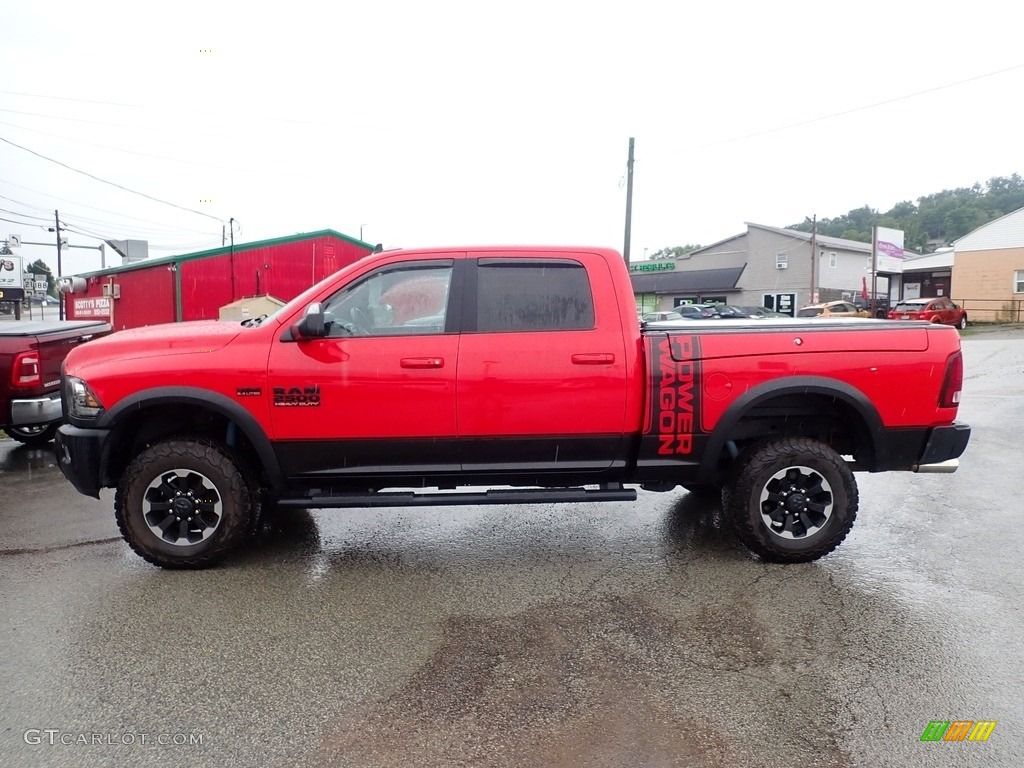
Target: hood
<point>194,337</point>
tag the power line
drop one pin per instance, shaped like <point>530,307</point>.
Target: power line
<point>854,110</point>
<point>26,215</point>
<point>23,223</point>
<point>163,233</point>
<point>84,205</point>
<point>111,183</point>
<point>68,98</point>
<point>107,122</point>
<point>174,160</point>
<point>261,116</point>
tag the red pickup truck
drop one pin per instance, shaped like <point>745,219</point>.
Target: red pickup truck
<point>31,354</point>
<point>526,368</point>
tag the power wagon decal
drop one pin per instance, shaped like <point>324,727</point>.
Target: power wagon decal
<point>673,418</point>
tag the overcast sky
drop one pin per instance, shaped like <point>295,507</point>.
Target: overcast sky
<point>428,123</point>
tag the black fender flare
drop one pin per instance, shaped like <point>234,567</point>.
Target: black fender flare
<point>794,385</point>
<point>203,398</point>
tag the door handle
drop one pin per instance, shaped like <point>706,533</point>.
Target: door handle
<point>422,362</point>
<point>593,358</point>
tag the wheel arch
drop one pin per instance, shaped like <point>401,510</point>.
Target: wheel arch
<point>162,412</point>
<point>821,398</point>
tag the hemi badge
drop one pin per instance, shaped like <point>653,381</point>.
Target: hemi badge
<point>249,392</point>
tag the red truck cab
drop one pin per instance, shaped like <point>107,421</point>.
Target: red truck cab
<point>498,366</point>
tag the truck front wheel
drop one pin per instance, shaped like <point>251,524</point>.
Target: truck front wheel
<point>183,503</point>
<point>791,500</point>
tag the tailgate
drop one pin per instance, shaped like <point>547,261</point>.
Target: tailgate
<point>54,347</point>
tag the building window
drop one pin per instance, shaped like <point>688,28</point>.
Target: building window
<point>833,259</point>
<point>1018,281</point>
<point>781,260</point>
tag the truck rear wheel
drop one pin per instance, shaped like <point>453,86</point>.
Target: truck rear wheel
<point>791,500</point>
<point>183,503</point>
<point>35,436</point>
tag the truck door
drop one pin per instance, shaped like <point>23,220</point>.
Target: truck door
<point>379,391</point>
<point>542,373</point>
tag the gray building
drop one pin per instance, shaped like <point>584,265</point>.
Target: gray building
<point>764,266</point>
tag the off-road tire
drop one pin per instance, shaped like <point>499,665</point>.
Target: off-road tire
<point>810,521</point>
<point>35,436</point>
<point>207,483</point>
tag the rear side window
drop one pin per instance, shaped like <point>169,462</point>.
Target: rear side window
<point>533,295</point>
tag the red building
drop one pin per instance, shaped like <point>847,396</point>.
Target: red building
<point>194,286</point>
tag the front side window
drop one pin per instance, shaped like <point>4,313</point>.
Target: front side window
<point>533,295</point>
<point>393,301</point>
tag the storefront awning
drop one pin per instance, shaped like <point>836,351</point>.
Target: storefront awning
<point>697,281</point>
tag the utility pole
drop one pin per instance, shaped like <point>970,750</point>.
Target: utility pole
<point>60,294</point>
<point>231,222</point>
<point>629,201</point>
<point>814,251</point>
<point>874,267</point>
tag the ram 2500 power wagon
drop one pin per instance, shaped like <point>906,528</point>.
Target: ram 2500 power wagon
<point>411,374</point>
<point>31,354</point>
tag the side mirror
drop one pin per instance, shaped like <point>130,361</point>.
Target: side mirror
<point>311,326</point>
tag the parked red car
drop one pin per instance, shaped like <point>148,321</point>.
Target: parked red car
<point>935,310</point>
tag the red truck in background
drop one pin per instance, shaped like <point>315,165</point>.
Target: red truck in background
<point>442,369</point>
<point>31,354</point>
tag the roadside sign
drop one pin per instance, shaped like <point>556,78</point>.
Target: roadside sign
<point>41,286</point>
<point>10,271</point>
<point>95,307</point>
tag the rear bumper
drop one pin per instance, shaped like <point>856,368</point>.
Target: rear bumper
<point>36,410</point>
<point>920,450</point>
<point>79,455</point>
<point>944,444</point>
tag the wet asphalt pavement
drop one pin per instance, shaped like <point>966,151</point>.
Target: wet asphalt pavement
<point>605,635</point>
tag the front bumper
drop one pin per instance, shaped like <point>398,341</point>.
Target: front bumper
<point>36,410</point>
<point>79,455</point>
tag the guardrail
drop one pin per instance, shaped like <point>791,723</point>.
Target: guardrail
<point>993,310</point>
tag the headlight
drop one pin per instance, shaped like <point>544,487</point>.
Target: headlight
<point>80,400</point>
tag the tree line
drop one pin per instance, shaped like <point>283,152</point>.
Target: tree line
<point>935,220</point>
